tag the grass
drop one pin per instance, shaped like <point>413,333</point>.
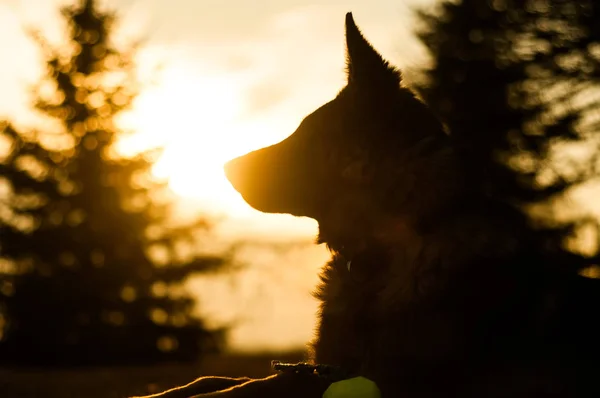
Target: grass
<point>120,382</point>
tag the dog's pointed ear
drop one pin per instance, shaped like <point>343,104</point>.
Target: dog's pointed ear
<point>365,66</point>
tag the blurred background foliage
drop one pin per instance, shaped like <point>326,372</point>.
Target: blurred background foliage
<point>517,81</point>
<point>92,267</point>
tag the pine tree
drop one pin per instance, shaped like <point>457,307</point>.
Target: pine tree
<point>505,78</point>
<point>91,269</point>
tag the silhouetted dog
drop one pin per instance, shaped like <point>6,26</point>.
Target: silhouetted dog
<point>433,289</point>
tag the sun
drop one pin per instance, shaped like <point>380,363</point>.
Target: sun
<point>194,117</point>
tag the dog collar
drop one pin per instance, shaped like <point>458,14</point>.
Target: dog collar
<point>354,258</point>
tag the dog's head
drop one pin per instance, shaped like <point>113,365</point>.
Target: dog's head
<point>373,150</point>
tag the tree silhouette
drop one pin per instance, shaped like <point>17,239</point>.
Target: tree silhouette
<point>91,269</point>
<point>508,78</point>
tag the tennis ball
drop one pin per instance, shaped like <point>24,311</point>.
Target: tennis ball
<point>357,387</point>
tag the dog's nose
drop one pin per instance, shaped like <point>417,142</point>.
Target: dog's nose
<point>233,172</point>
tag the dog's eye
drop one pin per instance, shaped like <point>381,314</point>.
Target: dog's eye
<point>333,158</point>
<point>355,171</point>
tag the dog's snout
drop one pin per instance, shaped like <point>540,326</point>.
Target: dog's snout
<point>244,174</point>
<point>272,181</point>
<point>241,173</point>
<point>232,172</point>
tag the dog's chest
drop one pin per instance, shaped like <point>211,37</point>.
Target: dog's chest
<point>348,317</point>
<point>364,331</point>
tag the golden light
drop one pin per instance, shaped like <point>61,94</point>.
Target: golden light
<point>195,117</point>
<point>202,120</point>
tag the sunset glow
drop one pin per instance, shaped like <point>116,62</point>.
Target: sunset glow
<point>195,118</point>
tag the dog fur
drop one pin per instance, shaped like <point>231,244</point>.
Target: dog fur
<point>433,289</point>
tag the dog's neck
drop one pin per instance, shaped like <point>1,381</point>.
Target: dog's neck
<point>371,245</point>
<point>399,246</point>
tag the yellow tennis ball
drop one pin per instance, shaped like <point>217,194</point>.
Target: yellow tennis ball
<point>357,387</point>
